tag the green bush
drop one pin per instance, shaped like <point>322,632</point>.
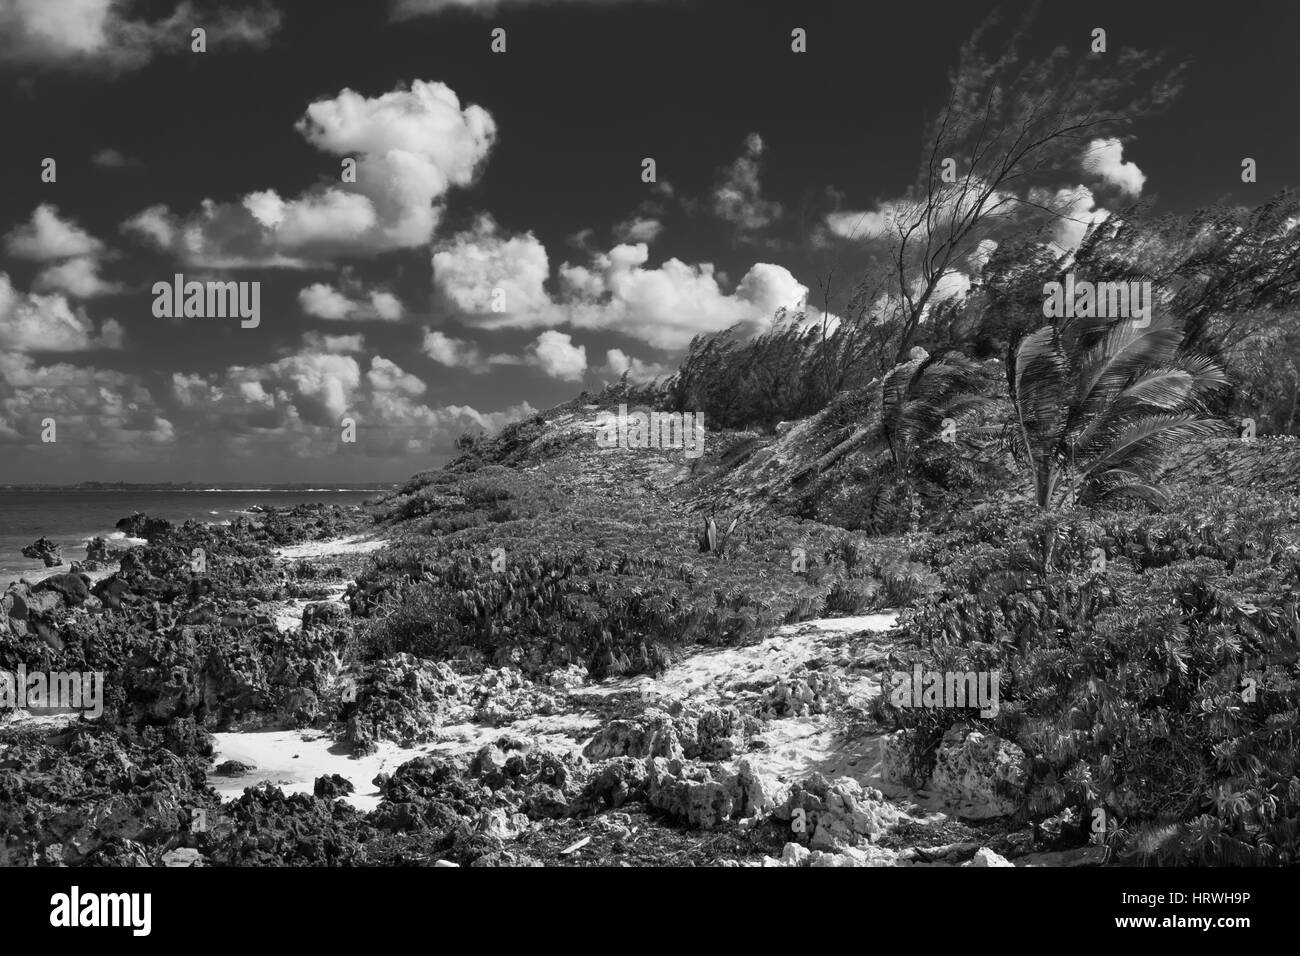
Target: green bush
<point>1125,685</point>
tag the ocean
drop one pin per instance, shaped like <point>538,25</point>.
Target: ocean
<point>71,517</point>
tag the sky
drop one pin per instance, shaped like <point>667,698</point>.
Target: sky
<point>498,249</point>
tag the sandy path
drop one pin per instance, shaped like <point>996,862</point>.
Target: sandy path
<point>352,544</point>
<point>795,746</point>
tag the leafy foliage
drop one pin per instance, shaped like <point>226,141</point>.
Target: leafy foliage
<point>1126,687</point>
<point>1101,401</point>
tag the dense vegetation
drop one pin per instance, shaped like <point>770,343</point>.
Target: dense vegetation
<point>1052,498</point>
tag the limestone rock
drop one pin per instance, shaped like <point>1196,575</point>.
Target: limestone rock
<point>182,856</point>
<point>690,793</point>
<point>843,813</point>
<point>986,857</point>
<point>982,774</point>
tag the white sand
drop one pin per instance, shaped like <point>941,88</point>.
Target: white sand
<point>288,614</point>
<point>852,648</point>
<point>353,544</point>
<point>293,759</point>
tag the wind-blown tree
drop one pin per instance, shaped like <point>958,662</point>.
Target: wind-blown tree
<point>1100,402</point>
<point>1265,369</point>
<point>1010,134</point>
<point>1225,272</point>
<point>916,397</point>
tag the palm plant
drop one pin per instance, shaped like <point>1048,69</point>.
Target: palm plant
<point>916,397</point>
<point>1101,401</point>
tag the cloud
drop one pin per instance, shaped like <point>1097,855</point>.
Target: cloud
<point>478,270</point>
<point>385,376</point>
<point>326,302</point>
<point>663,306</point>
<point>72,252</point>
<point>454,353</point>
<point>294,407</point>
<point>97,35</point>
<point>1105,158</point>
<point>108,412</point>
<point>405,9</point>
<point>78,278</point>
<point>952,203</point>
<point>861,224</point>
<point>618,363</point>
<point>981,255</point>
<point>411,146</point>
<point>738,198</point>
<point>47,323</point>
<point>667,306</point>
<point>951,285</point>
<point>321,384</point>
<point>110,158</point>
<point>156,225</point>
<point>552,352</point>
<point>337,344</point>
<point>1076,210</point>
<point>556,355</point>
<point>47,238</point>
<point>638,229</point>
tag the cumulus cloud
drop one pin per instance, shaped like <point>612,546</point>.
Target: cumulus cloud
<point>156,225</point>
<point>478,271</point>
<point>78,278</point>
<point>1104,158</point>
<point>618,363</point>
<point>556,355</point>
<point>326,302</point>
<point>552,352</point>
<point>47,238</point>
<point>453,352</point>
<point>1076,211</point>
<point>294,407</point>
<point>411,146</point>
<point>386,376</point>
<point>664,306</point>
<point>47,323</point>
<point>107,412</point>
<point>98,35</point>
<point>738,198</point>
<point>668,305</point>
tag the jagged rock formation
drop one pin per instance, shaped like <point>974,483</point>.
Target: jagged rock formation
<point>45,551</point>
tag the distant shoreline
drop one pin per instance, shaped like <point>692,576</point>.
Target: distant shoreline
<point>71,517</point>
<point>217,488</point>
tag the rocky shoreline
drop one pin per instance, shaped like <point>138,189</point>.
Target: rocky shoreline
<point>245,724</point>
